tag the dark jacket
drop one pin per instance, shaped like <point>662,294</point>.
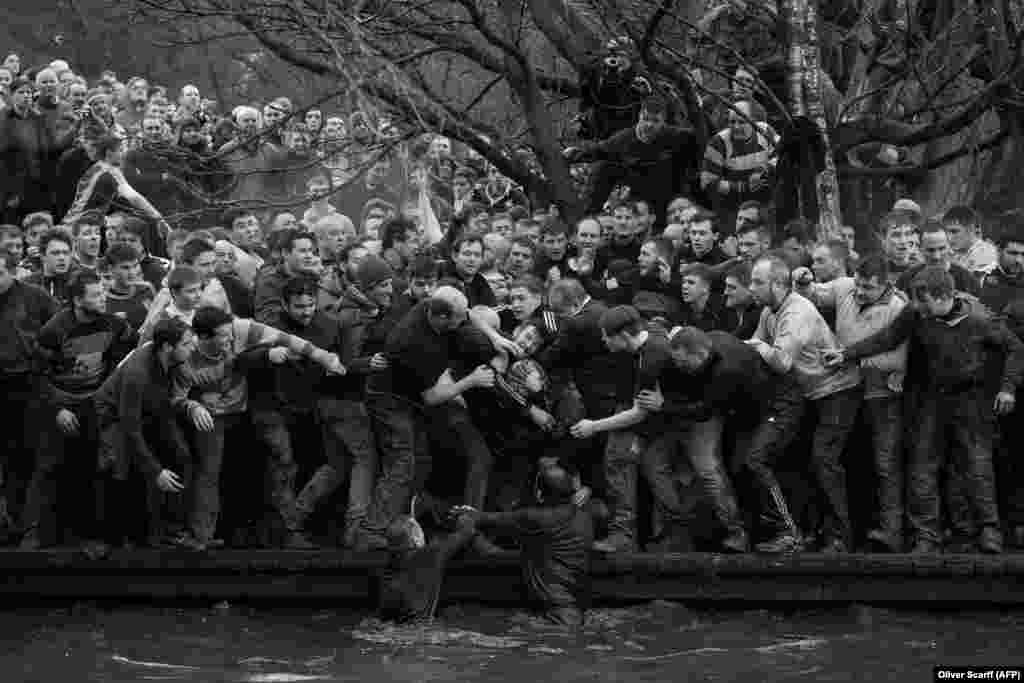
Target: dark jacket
<point>364,332</point>
<point>735,383</point>
<point>556,545</point>
<point>477,290</point>
<point>999,289</point>
<point>963,279</point>
<point>955,348</point>
<point>579,349</point>
<point>54,285</point>
<point>136,395</point>
<point>24,310</point>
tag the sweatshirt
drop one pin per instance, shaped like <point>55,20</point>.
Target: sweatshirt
<point>218,383</point>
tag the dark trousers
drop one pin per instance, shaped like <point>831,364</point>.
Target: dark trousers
<point>351,451</point>
<point>1010,468</point>
<point>760,448</point>
<point>401,437</point>
<point>952,428</point>
<point>702,444</point>
<point>836,416</point>
<point>18,442</point>
<point>72,461</point>
<point>167,513</point>
<point>452,429</point>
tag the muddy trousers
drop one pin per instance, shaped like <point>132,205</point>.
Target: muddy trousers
<point>77,460</point>
<point>403,454</point>
<point>953,428</point>
<point>759,449</point>
<point>702,444</point>
<point>209,446</point>
<point>351,451</point>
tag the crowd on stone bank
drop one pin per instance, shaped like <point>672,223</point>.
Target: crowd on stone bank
<point>283,327</point>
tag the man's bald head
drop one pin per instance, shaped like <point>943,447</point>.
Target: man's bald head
<point>447,308</point>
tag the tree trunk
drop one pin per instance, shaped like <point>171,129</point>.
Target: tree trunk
<point>806,100</point>
<point>829,216</point>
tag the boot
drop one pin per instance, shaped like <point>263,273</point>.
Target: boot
<point>788,539</point>
<point>990,541</point>
<point>616,543</point>
<point>926,546</point>
<point>784,543</point>
<point>298,540</point>
<point>883,542</point>
<point>737,542</point>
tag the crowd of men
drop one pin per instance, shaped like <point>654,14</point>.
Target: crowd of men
<point>362,329</point>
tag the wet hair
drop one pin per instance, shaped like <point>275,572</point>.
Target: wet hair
<point>207,319</point>
<point>556,483</point>
<point>931,227</point>
<point>192,249</point>
<point>121,253</point>
<point>933,281</point>
<point>94,218</point>
<point>524,242</point>
<point>399,533</point>
<point>181,277</point>
<point>80,281</point>
<point>169,332</point>
<point>873,265</point>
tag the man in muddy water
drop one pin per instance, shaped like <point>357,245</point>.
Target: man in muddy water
<point>556,536</point>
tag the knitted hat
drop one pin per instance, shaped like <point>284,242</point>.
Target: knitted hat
<point>372,271</point>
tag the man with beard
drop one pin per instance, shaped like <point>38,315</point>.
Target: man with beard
<point>299,250</point>
<point>364,324</point>
<point>133,406</point>
<point>55,248</point>
<point>792,338</point>
<point>655,160</point>
<point>81,345</point>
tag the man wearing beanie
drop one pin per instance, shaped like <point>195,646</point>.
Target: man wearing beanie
<point>366,315</point>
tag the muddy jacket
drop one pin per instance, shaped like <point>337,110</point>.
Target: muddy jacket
<point>364,331</point>
<point>955,347</point>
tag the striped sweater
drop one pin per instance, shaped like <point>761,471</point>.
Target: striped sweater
<point>219,383</point>
<point>736,161</point>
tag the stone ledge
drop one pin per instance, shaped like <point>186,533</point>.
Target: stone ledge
<point>349,577</point>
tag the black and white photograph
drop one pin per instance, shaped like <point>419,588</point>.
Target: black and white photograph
<point>511,340</point>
